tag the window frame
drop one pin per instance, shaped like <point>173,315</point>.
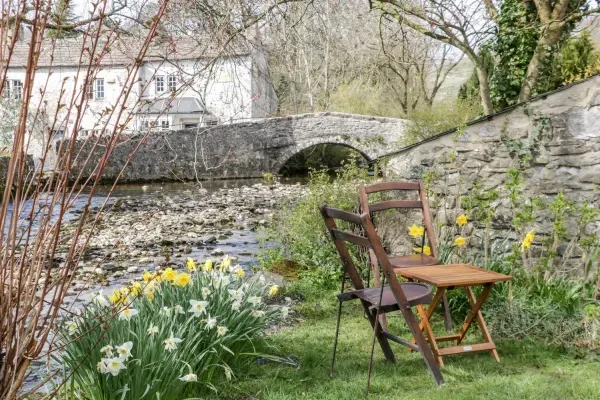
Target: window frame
<point>96,89</point>
<point>172,83</point>
<point>157,79</point>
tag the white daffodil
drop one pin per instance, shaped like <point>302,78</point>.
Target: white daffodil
<point>262,279</point>
<point>254,300</point>
<point>171,343</point>
<point>198,307</point>
<point>236,295</point>
<point>285,311</point>
<point>128,313</point>
<point>107,350</point>
<point>228,373</point>
<point>101,366</point>
<point>221,330</point>
<point>258,313</point>
<point>124,350</point>
<point>189,378</point>
<point>206,292</point>
<point>166,311</point>
<point>99,299</point>
<point>236,305</point>
<point>211,323</point>
<point>178,309</point>
<point>152,330</point>
<point>114,365</point>
<point>72,328</point>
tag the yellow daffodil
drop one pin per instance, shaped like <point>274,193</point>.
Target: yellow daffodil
<point>147,276</point>
<point>115,297</point>
<point>426,250</point>
<point>226,263</point>
<point>274,290</point>
<point>460,241</point>
<point>136,288</point>
<point>190,264</point>
<point>168,274</point>
<point>149,294</point>
<point>416,231</point>
<point>208,266</point>
<point>239,272</point>
<point>124,291</point>
<point>182,279</point>
<point>461,220</point>
<point>528,241</point>
<point>158,278</point>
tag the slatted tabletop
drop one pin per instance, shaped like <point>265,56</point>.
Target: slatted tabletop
<point>452,275</point>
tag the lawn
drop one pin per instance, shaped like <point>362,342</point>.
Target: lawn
<point>527,370</point>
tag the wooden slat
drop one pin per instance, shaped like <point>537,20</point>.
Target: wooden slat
<point>389,204</point>
<point>447,338</point>
<point>452,275</point>
<point>351,237</point>
<point>400,340</point>
<point>383,186</point>
<point>343,215</point>
<point>468,348</point>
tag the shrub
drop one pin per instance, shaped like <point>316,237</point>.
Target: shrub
<point>298,232</point>
<point>172,334</point>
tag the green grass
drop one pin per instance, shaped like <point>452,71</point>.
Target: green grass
<point>526,370</point>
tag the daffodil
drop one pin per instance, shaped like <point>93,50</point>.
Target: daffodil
<point>274,290</point>
<point>113,365</point>
<point>205,292</point>
<point>128,313</point>
<point>99,299</point>
<point>460,241</point>
<point>189,378</point>
<point>239,272</point>
<point>221,330</point>
<point>198,307</point>
<point>236,305</point>
<point>258,313</point>
<point>71,328</point>
<point>136,288</point>
<point>426,250</point>
<point>166,311</point>
<point>152,330</point>
<point>208,266</point>
<point>528,240</point>
<point>182,279</point>
<point>254,300</point>
<point>116,297</point>
<point>416,231</point>
<point>178,309</point>
<point>107,350</point>
<point>226,263</point>
<point>461,220</point>
<point>190,264</point>
<point>171,343</point>
<point>101,366</point>
<point>236,295</point>
<point>169,274</point>
<point>124,350</point>
<point>147,276</point>
<point>124,291</point>
<point>211,323</point>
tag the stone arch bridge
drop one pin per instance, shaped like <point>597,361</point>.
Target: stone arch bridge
<point>247,149</point>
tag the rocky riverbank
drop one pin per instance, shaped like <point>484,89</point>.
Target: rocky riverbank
<point>143,233</point>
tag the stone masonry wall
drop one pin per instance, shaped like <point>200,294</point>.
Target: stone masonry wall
<point>554,141</point>
<point>241,150</point>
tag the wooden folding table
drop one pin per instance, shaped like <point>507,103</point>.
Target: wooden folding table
<point>452,276</point>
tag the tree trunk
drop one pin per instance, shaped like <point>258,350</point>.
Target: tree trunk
<point>484,89</point>
<point>549,38</point>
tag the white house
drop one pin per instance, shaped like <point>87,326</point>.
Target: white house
<point>182,83</point>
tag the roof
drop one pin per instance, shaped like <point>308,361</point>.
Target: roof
<point>178,105</point>
<point>67,52</point>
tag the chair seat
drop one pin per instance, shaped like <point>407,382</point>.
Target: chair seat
<point>413,260</point>
<point>416,293</point>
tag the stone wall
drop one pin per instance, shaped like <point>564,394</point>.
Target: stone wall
<point>241,150</point>
<point>554,142</point>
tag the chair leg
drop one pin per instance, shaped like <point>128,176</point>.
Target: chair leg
<point>447,317</point>
<point>335,342</point>
<point>376,332</point>
<point>424,348</point>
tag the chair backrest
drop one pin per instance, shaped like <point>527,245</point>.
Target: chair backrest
<point>422,204</point>
<point>370,241</point>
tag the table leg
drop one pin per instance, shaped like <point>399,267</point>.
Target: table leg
<point>475,307</point>
<point>437,297</point>
<point>430,335</point>
<point>482,325</point>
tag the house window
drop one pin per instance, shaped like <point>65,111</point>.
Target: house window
<point>99,89</point>
<point>13,89</point>
<point>159,84</point>
<point>211,122</point>
<point>164,124</point>
<point>172,83</point>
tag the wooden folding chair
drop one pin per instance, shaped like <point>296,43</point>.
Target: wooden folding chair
<point>384,299</point>
<point>404,261</point>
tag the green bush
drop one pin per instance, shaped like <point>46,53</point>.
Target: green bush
<point>298,233</point>
<point>175,334</point>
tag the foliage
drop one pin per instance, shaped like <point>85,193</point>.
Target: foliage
<point>578,59</point>
<point>365,99</point>
<point>299,234</point>
<point>178,333</point>
<point>427,122</point>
